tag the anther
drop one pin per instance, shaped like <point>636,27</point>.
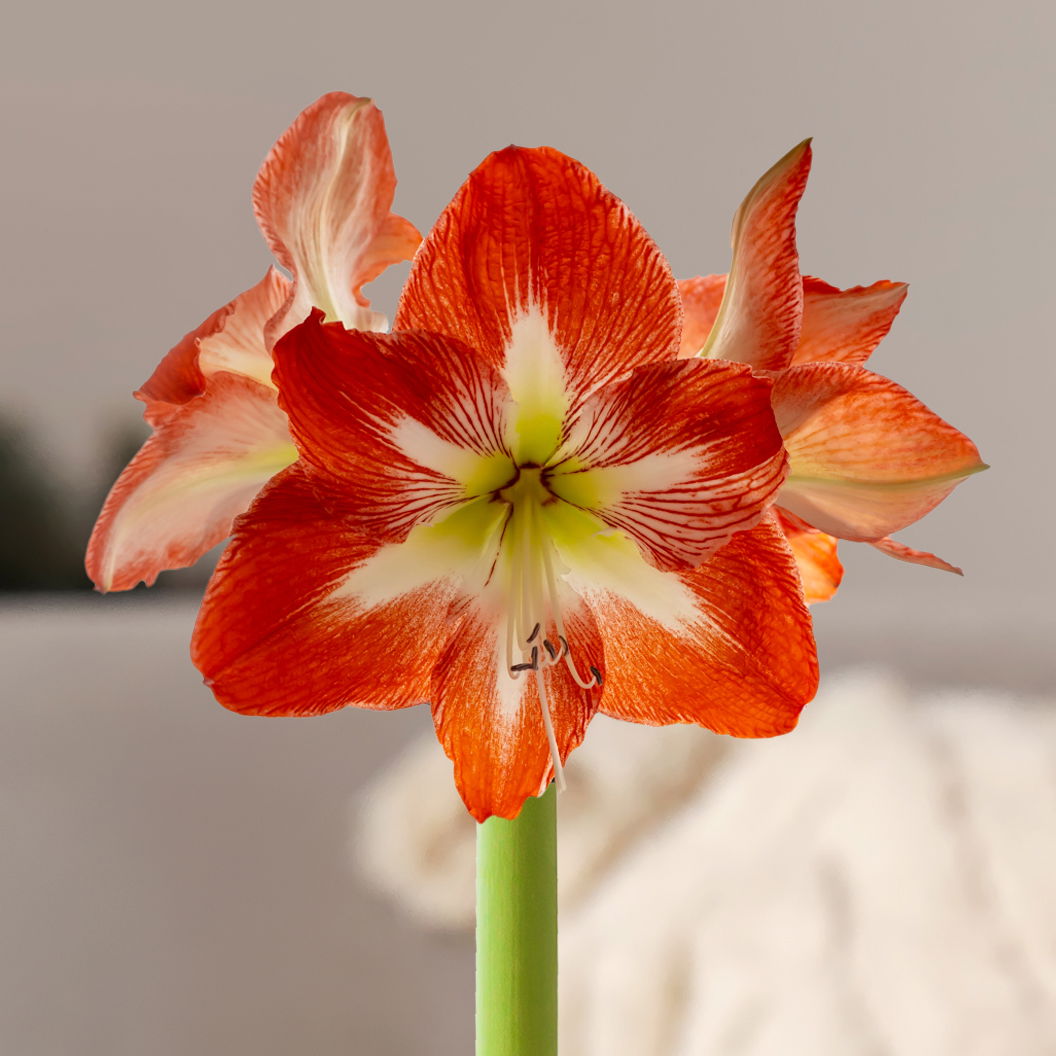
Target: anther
<point>596,673</point>
<point>550,648</point>
<point>531,637</point>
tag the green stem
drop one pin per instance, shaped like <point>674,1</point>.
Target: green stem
<point>517,932</point>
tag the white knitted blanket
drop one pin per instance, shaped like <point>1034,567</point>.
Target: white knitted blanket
<point>882,881</point>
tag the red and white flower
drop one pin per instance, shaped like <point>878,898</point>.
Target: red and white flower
<point>521,506</point>
<point>866,458</point>
<point>322,199</point>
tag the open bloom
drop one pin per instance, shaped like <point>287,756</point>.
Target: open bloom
<point>866,458</point>
<point>322,199</point>
<point>521,505</point>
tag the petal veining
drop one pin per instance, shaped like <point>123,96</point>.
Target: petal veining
<point>866,458</point>
<point>844,326</point>
<point>380,416</point>
<point>274,636</point>
<point>329,222</point>
<point>759,320</point>
<point>704,428</point>
<point>533,231</point>
<point>742,662</point>
<point>179,496</point>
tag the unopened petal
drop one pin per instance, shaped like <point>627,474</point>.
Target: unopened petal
<point>866,457</point>
<point>323,199</point>
<point>759,320</point>
<point>533,233</point>
<point>179,496</point>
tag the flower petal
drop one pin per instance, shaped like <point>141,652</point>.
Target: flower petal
<point>680,455</point>
<point>278,634</point>
<point>491,725</point>
<point>759,320</point>
<point>844,326</point>
<point>403,425</point>
<point>178,497</point>
<point>815,552</point>
<point>701,298</point>
<point>742,661</point>
<point>532,233</point>
<point>866,457</point>
<point>322,200</point>
<point>917,557</point>
<point>231,339</point>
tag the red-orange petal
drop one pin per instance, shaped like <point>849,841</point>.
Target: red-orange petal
<point>893,548</point>
<point>866,457</point>
<point>844,326</point>
<point>745,667</point>
<point>349,393</point>
<point>231,339</point>
<point>322,199</point>
<point>701,298</point>
<point>491,726</point>
<point>759,320</point>
<point>178,497</point>
<point>273,639</point>
<point>685,454</point>
<point>535,229</point>
<point>815,552</point>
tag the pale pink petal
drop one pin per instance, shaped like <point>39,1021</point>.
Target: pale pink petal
<point>179,496</point>
<point>322,199</point>
<point>231,339</point>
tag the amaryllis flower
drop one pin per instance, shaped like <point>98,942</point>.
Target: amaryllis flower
<point>322,199</point>
<point>866,457</point>
<point>521,506</point>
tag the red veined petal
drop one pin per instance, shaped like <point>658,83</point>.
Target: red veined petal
<point>491,726</point>
<point>534,230</point>
<point>231,339</point>
<point>815,552</point>
<point>893,548</point>
<point>680,455</point>
<point>701,298</point>
<point>393,421</point>
<point>759,320</point>
<point>844,326</point>
<point>178,497</point>
<point>276,635</point>
<point>866,458</point>
<point>322,199</point>
<point>746,665</point>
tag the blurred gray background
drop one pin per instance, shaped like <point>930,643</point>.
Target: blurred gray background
<point>132,134</point>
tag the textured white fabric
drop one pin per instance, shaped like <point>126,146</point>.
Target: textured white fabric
<point>879,882</point>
